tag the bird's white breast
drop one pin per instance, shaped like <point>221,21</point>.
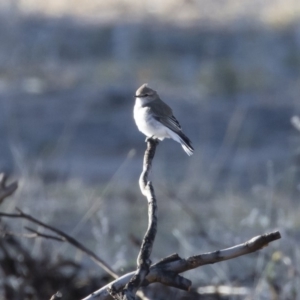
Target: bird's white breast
<point>146,122</point>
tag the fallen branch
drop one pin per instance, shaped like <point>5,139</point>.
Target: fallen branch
<point>166,271</point>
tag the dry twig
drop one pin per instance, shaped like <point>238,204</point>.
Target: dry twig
<point>32,235</point>
<point>65,237</point>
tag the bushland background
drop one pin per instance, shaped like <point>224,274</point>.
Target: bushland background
<point>230,70</point>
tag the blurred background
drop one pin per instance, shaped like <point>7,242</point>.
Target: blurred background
<point>231,72</point>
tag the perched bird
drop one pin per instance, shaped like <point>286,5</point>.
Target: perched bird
<point>155,119</point>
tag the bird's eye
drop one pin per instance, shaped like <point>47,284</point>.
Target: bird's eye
<point>146,95</point>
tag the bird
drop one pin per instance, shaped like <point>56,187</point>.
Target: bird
<point>155,119</point>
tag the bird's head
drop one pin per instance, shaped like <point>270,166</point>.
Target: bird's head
<point>145,94</point>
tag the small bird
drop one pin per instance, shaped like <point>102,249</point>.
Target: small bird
<point>155,119</point>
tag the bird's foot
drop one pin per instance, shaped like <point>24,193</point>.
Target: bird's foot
<point>148,138</point>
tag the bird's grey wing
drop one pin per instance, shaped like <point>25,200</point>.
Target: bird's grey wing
<point>176,123</point>
<point>163,113</point>
<point>170,122</point>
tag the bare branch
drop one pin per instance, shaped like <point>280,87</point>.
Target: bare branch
<point>143,260</point>
<point>148,157</point>
<point>174,264</point>
<point>43,235</point>
<point>65,237</point>
<point>254,244</point>
<point>6,190</point>
<point>33,235</point>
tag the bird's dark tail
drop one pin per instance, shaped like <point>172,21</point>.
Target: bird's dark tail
<point>186,144</point>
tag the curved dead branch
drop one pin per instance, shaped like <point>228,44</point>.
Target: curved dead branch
<point>148,157</point>
<point>143,260</point>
